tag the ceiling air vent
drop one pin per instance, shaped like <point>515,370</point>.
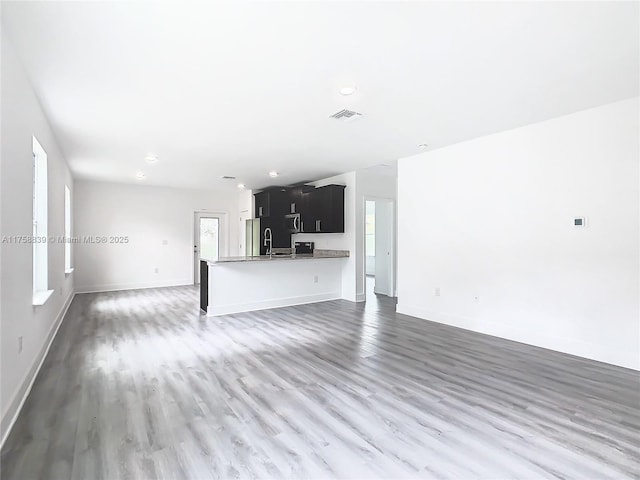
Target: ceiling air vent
<point>345,114</point>
<point>227,177</point>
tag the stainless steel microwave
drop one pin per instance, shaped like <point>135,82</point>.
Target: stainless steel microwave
<point>292,223</point>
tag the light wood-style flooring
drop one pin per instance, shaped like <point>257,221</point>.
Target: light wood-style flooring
<point>139,385</point>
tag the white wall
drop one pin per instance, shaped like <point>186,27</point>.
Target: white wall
<point>22,117</point>
<point>493,218</point>
<point>149,216</point>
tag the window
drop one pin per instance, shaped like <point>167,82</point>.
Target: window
<point>40,237</point>
<point>67,230</point>
<point>209,238</point>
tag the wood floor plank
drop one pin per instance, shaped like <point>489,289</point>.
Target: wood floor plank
<point>139,385</point>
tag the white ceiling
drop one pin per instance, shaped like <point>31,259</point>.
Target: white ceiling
<point>243,88</point>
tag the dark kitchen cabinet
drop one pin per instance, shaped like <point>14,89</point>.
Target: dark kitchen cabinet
<point>301,202</point>
<point>271,206</point>
<point>262,204</point>
<point>272,202</point>
<point>328,209</point>
<point>321,209</point>
<point>295,200</point>
<point>279,201</point>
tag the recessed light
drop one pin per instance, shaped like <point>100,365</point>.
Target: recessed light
<point>151,158</point>
<point>347,90</point>
<point>241,186</point>
<point>423,145</point>
<point>273,174</point>
<point>140,175</point>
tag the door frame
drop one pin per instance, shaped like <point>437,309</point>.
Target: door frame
<point>392,242</point>
<point>223,238</point>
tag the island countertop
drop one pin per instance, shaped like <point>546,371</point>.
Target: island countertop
<point>317,254</point>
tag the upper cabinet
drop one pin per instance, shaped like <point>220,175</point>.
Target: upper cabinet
<point>262,204</point>
<point>296,199</point>
<point>329,209</point>
<point>321,209</point>
<point>301,202</point>
<point>272,202</point>
<point>279,201</point>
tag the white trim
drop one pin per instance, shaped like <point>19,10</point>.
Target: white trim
<point>40,297</point>
<point>528,336</point>
<point>114,287</point>
<point>30,377</point>
<point>214,311</point>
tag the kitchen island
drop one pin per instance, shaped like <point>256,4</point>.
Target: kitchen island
<point>242,284</point>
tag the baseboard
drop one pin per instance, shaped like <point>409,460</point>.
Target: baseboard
<point>274,303</point>
<point>114,287</point>
<point>536,338</point>
<point>17,401</point>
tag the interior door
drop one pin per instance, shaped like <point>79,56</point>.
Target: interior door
<point>207,241</point>
<point>384,244</point>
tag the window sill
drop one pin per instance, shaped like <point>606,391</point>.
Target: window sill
<point>41,297</point>
<point>68,271</point>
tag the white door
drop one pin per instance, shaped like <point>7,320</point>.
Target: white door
<point>207,241</point>
<point>384,246</point>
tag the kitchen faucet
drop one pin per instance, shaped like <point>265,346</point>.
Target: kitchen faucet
<point>268,239</point>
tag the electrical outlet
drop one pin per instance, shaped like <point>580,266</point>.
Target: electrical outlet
<point>437,292</point>
<point>20,344</point>
<point>315,279</point>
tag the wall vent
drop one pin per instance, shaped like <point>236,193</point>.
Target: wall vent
<point>345,114</point>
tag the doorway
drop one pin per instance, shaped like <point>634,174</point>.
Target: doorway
<point>379,247</point>
<point>206,241</point>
